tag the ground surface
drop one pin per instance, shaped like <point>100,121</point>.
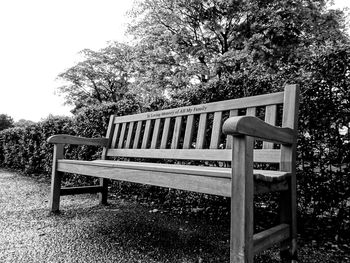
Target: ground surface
<point>124,231</point>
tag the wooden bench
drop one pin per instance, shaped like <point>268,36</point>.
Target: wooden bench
<point>215,136</point>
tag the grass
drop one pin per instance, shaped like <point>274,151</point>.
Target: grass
<point>124,231</point>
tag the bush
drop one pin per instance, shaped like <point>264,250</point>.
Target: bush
<point>26,149</point>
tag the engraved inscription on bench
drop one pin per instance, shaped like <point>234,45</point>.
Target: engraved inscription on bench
<point>169,113</point>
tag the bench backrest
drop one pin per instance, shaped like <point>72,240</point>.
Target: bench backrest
<point>194,132</point>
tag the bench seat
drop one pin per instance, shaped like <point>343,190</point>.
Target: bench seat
<point>206,179</point>
<point>183,148</point>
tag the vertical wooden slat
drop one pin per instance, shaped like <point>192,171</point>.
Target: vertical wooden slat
<point>115,135</point>
<point>201,130</point>
<point>288,205</point>
<point>216,130</point>
<point>251,111</point>
<point>188,132</point>
<point>122,135</point>
<point>165,133</point>
<point>128,138</point>
<point>233,113</point>
<point>270,118</point>
<point>242,187</point>
<point>137,134</point>
<point>146,134</point>
<point>109,134</point>
<point>176,135</point>
<point>155,134</point>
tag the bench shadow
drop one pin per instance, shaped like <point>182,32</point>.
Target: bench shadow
<point>131,227</point>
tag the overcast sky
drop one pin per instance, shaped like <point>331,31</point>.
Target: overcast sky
<point>39,39</point>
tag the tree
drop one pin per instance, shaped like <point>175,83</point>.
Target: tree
<point>103,76</point>
<point>23,123</point>
<point>236,44</point>
<point>5,122</point>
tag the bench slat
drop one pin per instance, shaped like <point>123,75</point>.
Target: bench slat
<point>202,127</point>
<point>260,155</point>
<point>210,180</point>
<point>216,130</point>
<point>165,134</point>
<point>137,134</point>
<point>188,132</point>
<point>176,135</point>
<point>233,113</point>
<point>270,118</point>
<point>122,135</point>
<point>128,138</point>
<point>251,111</point>
<point>146,135</point>
<point>115,135</point>
<point>155,134</point>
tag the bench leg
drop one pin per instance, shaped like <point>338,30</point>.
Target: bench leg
<point>241,245</point>
<point>288,250</point>
<point>55,192</point>
<point>104,193</point>
<point>56,180</point>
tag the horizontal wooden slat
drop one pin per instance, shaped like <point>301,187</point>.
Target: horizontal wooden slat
<point>254,101</point>
<point>202,184</point>
<point>210,180</point>
<point>269,237</point>
<point>81,190</point>
<point>260,156</point>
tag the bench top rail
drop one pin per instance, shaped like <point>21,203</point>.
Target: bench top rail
<point>193,132</point>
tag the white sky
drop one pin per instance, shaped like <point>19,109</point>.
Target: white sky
<point>39,39</point>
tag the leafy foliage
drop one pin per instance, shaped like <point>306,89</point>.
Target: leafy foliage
<point>102,77</point>
<point>5,122</point>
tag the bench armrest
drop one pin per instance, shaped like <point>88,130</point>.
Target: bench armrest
<point>69,139</point>
<point>253,126</point>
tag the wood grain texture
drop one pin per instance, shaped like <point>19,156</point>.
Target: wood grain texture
<point>233,113</point>
<point>113,169</point>
<point>188,132</point>
<point>129,136</point>
<point>288,202</point>
<point>109,134</point>
<point>252,126</point>
<point>54,203</point>
<point>165,134</point>
<point>241,244</point>
<point>122,135</point>
<point>115,135</point>
<point>253,101</point>
<point>251,111</point>
<point>202,128</point>
<point>216,130</point>
<point>155,135</point>
<point>146,135</point>
<point>176,134</point>
<point>69,139</point>
<point>260,155</point>
<point>137,134</point>
<point>269,237</point>
<point>270,118</point>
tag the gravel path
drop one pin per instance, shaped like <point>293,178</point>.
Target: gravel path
<point>123,231</point>
<point>86,232</point>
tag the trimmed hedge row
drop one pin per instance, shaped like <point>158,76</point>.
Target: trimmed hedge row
<point>26,149</point>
